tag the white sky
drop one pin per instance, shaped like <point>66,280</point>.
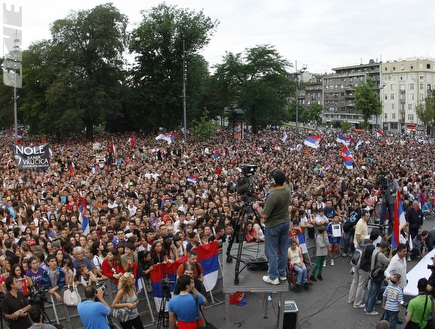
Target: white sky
<point>321,34</point>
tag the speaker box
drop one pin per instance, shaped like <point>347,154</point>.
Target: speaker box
<point>290,314</point>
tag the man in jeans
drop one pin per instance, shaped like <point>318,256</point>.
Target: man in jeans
<point>380,260</point>
<point>277,225</point>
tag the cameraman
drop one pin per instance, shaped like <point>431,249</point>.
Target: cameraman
<point>93,314</point>
<point>389,190</point>
<point>431,281</point>
<point>36,317</point>
<point>15,305</point>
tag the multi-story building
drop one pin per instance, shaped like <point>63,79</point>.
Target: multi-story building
<point>405,84</point>
<point>339,91</point>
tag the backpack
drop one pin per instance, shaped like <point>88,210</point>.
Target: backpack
<point>363,253</point>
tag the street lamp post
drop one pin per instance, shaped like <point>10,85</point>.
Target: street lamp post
<point>184,93</point>
<point>297,73</point>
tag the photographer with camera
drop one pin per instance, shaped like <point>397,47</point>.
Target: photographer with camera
<point>94,310</point>
<point>431,281</point>
<point>277,216</point>
<point>15,305</point>
<point>35,314</point>
<point>389,188</point>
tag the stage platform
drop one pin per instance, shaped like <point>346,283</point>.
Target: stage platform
<point>249,281</point>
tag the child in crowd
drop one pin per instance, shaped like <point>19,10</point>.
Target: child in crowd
<point>86,276</point>
<point>322,244</point>
<point>334,235</point>
<point>392,299</point>
<point>145,268</point>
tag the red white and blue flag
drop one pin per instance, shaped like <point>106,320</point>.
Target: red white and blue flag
<point>347,157</point>
<point>131,139</point>
<point>399,221</point>
<point>207,257</point>
<point>112,147</point>
<point>83,218</point>
<point>380,133</point>
<point>169,138</point>
<point>345,140</point>
<point>313,141</point>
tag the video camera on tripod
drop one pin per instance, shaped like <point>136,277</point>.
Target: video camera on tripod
<point>163,320</point>
<point>383,181</point>
<point>37,297</point>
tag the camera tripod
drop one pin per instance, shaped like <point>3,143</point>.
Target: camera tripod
<point>163,319</point>
<point>241,224</point>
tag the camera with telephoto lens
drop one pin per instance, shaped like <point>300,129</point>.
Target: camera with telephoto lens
<point>37,297</point>
<point>101,285</point>
<point>431,267</point>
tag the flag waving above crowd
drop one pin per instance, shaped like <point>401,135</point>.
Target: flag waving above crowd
<point>313,141</point>
<point>347,157</point>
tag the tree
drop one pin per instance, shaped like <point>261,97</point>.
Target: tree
<point>345,126</point>
<point>205,128</point>
<point>367,100</point>
<point>426,112</point>
<point>313,114</point>
<point>257,82</point>
<point>77,75</point>
<point>158,45</point>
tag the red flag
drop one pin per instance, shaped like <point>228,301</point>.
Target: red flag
<point>43,140</point>
<point>112,147</point>
<point>71,170</point>
<point>131,139</point>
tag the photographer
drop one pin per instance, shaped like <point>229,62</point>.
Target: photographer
<point>93,314</point>
<point>389,188</point>
<point>15,305</point>
<point>36,317</point>
<point>431,281</point>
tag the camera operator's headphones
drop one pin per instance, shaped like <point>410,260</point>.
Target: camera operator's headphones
<point>276,177</point>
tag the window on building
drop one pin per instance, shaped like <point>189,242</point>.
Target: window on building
<point>421,86</point>
<point>411,96</point>
<point>393,106</point>
<point>392,96</point>
<point>422,97</point>
<point>393,126</point>
<point>410,107</point>
<point>411,67</point>
<point>429,87</point>
<point>411,86</point>
<point>421,76</point>
<point>402,86</point>
<point>402,76</point>
<point>386,68</point>
<point>428,66</point>
<point>402,67</point>
<point>394,77</point>
<point>394,68</point>
<point>421,66</point>
<point>386,116</point>
<point>386,97</point>
<point>410,117</point>
<point>393,86</point>
<point>429,76</point>
<point>411,76</point>
<point>393,116</point>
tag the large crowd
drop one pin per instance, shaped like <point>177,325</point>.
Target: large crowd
<point>155,201</point>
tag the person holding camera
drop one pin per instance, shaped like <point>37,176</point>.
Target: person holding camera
<point>15,305</point>
<point>431,281</point>
<point>186,306</point>
<point>126,297</point>
<point>277,216</point>
<point>94,310</point>
<point>419,308</point>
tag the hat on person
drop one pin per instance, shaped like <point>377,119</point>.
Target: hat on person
<point>37,248</point>
<point>55,244</point>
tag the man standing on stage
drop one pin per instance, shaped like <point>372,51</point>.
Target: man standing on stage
<point>276,215</point>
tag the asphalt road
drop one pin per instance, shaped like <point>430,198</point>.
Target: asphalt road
<point>324,305</point>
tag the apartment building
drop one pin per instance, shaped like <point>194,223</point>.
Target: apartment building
<point>405,84</point>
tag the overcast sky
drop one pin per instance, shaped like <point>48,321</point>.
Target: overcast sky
<point>320,34</point>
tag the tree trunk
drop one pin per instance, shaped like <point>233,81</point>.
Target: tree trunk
<point>89,131</point>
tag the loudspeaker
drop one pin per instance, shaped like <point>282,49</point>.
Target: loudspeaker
<point>290,314</point>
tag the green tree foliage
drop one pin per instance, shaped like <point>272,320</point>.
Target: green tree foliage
<point>258,83</point>
<point>158,74</point>
<point>345,126</point>
<point>74,79</point>
<point>367,100</point>
<point>426,112</point>
<point>204,128</point>
<point>312,113</point>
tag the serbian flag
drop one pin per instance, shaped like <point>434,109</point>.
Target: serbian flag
<point>83,217</point>
<point>343,140</point>
<point>347,157</point>
<point>399,221</point>
<point>379,133</point>
<point>313,141</point>
<point>112,147</point>
<point>359,143</point>
<point>207,257</point>
<point>192,179</point>
<point>131,139</point>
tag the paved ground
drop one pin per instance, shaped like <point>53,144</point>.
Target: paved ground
<point>324,305</point>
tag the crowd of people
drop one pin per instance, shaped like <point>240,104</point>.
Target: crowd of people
<point>156,201</point>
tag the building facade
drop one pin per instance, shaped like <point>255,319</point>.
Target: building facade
<point>339,91</point>
<point>405,86</point>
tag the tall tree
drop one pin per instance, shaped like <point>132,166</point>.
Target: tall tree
<point>257,82</point>
<point>158,45</point>
<point>82,75</point>
<point>426,111</point>
<point>367,100</point>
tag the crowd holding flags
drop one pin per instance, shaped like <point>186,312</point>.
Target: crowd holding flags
<point>169,137</point>
<point>347,157</point>
<point>379,133</point>
<point>313,141</point>
<point>399,221</point>
<point>131,139</point>
<point>83,218</point>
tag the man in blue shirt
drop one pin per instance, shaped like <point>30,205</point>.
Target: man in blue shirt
<point>93,313</point>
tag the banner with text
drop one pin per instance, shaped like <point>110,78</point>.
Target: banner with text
<point>32,156</point>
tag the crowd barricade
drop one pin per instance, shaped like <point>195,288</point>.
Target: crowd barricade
<point>60,313</point>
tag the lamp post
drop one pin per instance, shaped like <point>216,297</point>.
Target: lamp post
<point>184,93</point>
<point>297,73</point>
